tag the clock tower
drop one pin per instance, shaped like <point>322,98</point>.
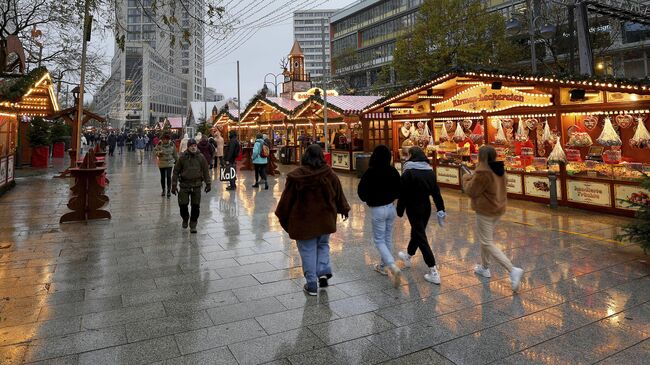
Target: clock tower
<point>295,78</point>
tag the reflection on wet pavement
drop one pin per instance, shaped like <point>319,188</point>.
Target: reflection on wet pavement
<point>138,289</point>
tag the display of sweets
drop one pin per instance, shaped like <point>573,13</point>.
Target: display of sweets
<point>641,137</point>
<point>579,139</point>
<point>609,137</point>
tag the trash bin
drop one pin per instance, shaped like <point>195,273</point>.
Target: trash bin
<point>285,155</point>
<point>362,164</point>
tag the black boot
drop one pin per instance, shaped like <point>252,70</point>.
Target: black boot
<point>192,226</point>
<point>256,185</point>
<point>185,222</point>
<point>266,185</point>
<point>169,194</point>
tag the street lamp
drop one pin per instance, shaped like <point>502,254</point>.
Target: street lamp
<point>75,94</point>
<point>275,81</point>
<point>546,31</point>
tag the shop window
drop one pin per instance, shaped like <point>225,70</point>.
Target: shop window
<point>377,133</point>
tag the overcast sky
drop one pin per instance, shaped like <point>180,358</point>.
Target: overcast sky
<point>260,55</point>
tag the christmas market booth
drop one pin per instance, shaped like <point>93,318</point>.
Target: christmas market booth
<point>223,120</point>
<point>271,117</point>
<point>22,97</point>
<point>344,131</point>
<point>584,141</point>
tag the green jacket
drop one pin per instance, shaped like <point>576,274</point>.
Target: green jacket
<point>191,170</point>
<point>166,154</point>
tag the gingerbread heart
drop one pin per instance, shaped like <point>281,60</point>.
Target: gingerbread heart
<point>506,123</point>
<point>531,123</point>
<point>624,121</point>
<point>449,125</point>
<point>467,124</point>
<point>590,122</point>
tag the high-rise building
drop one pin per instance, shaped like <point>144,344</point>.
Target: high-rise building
<point>308,29</point>
<point>153,78</point>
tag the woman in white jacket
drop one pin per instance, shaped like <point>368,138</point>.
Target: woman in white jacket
<point>183,145</point>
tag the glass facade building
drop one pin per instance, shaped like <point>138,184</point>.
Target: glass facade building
<point>308,29</point>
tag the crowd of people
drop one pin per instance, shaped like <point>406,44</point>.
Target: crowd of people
<point>313,198</point>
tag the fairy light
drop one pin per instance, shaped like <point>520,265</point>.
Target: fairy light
<point>430,97</point>
<point>457,118</point>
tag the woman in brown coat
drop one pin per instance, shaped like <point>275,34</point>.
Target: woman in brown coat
<point>487,187</point>
<point>307,210</point>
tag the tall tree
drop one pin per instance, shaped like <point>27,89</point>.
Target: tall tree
<point>452,33</point>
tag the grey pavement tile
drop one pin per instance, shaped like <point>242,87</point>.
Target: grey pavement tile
<point>122,315</point>
<point>47,299</point>
<point>278,346</point>
<point>80,308</point>
<point>162,326</point>
<point>423,357</point>
<point>123,287</point>
<point>251,259</point>
<point>44,329</point>
<point>226,254</point>
<point>634,355</point>
<point>295,318</point>
<point>636,318</point>
<point>157,295</point>
<point>349,328</point>
<point>218,356</point>
<point>12,355</point>
<point>64,360</point>
<point>266,290</point>
<point>218,336</point>
<point>18,316</point>
<point>136,353</point>
<point>359,351</point>
<point>242,270</point>
<point>278,275</point>
<point>299,299</point>
<point>404,340</point>
<point>209,265</point>
<point>194,277</point>
<point>246,310</point>
<point>214,286</point>
<point>143,274</point>
<point>75,343</point>
<point>179,306</point>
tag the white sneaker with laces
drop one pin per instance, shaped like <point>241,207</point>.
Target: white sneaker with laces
<point>381,269</point>
<point>433,276</point>
<point>406,258</point>
<point>483,271</point>
<point>515,278</point>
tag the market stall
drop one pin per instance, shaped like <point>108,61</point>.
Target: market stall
<point>589,134</point>
<point>344,132</point>
<point>22,96</point>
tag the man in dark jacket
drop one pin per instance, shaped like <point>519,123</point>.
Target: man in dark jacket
<point>112,142</point>
<point>230,156</point>
<point>191,171</point>
<point>418,184</point>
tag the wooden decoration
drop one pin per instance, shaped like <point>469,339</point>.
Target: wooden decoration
<point>88,192</point>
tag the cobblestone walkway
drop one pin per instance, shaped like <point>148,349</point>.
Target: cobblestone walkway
<point>138,289</point>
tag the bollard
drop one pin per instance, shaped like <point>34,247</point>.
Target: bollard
<point>552,180</point>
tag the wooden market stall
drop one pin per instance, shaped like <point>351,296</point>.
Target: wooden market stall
<point>22,96</point>
<point>269,116</point>
<point>600,126</point>
<point>224,120</point>
<point>344,132</point>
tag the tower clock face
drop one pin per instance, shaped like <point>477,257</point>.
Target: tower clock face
<point>295,64</point>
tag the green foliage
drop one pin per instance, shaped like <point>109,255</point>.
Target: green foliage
<point>39,133</point>
<point>639,230</point>
<point>14,88</point>
<point>204,128</point>
<point>452,33</point>
<point>59,131</point>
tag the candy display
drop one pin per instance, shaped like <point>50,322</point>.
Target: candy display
<point>609,137</point>
<point>641,137</point>
<point>477,134</point>
<point>578,137</point>
<point>547,136</point>
<point>557,155</point>
<point>444,135</point>
<point>501,136</point>
<point>459,135</point>
<point>522,133</point>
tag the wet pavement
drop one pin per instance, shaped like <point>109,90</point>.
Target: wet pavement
<point>138,289</point>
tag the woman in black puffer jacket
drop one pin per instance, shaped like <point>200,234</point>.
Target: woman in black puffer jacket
<point>379,188</point>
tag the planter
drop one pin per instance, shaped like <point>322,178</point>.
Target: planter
<point>58,150</point>
<point>40,156</point>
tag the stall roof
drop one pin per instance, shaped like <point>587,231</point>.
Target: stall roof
<point>31,94</point>
<point>342,104</point>
<point>226,116</point>
<point>451,77</point>
<point>261,103</point>
<point>174,122</point>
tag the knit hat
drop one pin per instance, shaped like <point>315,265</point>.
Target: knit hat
<point>191,142</point>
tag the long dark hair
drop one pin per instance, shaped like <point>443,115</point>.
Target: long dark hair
<point>380,157</point>
<point>313,157</point>
<point>417,155</point>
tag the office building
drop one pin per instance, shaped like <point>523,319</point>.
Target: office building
<point>151,78</point>
<point>308,29</point>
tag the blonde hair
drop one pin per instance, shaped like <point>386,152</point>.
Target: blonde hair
<point>487,154</point>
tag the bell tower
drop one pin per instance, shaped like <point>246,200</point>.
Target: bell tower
<point>295,78</point>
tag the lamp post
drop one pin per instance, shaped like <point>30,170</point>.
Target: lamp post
<point>275,81</point>
<point>513,26</point>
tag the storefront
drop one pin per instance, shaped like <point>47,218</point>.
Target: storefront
<point>22,96</point>
<point>223,120</point>
<point>597,128</point>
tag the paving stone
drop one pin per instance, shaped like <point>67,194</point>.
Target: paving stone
<point>266,290</point>
<point>278,346</point>
<point>214,286</point>
<point>180,306</point>
<point>122,315</point>
<point>218,356</point>
<point>169,325</point>
<point>217,336</point>
<point>142,352</point>
<point>246,310</point>
<point>75,343</point>
<point>295,318</point>
<point>299,299</point>
<point>158,295</point>
<point>359,351</point>
<point>80,308</point>
<point>349,328</point>
<point>36,330</point>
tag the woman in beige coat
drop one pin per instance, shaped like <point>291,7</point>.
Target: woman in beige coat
<point>487,187</point>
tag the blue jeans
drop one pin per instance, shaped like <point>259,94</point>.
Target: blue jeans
<point>383,219</point>
<point>315,256</point>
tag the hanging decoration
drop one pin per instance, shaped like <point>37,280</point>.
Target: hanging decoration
<point>547,136</point>
<point>407,129</point>
<point>522,132</point>
<point>467,124</point>
<point>609,137</point>
<point>501,136</point>
<point>477,133</point>
<point>578,137</point>
<point>624,120</point>
<point>449,125</point>
<point>444,135</point>
<point>590,122</point>
<point>641,137</point>
<point>459,135</point>
<point>557,155</point>
<point>531,123</point>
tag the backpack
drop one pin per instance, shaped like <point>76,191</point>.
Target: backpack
<point>264,152</point>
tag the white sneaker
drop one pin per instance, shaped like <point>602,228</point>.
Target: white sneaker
<point>395,275</point>
<point>515,278</point>
<point>433,276</point>
<point>483,271</point>
<point>381,269</point>
<point>405,257</point>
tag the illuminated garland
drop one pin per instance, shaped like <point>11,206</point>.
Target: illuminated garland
<point>14,91</point>
<point>319,100</point>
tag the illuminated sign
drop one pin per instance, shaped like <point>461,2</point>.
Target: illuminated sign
<point>482,97</point>
<point>302,96</point>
